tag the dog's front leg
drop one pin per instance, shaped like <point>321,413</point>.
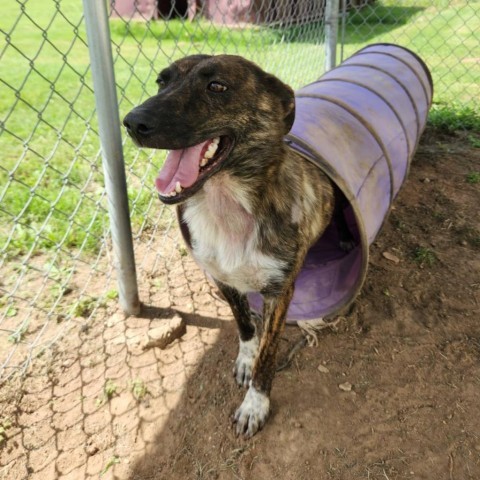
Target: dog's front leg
<point>247,332</point>
<point>253,412</point>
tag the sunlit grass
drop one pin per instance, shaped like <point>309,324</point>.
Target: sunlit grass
<point>51,178</point>
<point>443,33</point>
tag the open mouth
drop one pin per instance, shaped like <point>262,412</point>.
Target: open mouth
<point>185,170</point>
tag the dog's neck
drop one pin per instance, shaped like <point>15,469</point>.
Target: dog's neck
<point>229,204</point>
<point>253,189</point>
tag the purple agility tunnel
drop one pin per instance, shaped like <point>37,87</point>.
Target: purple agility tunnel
<point>360,123</point>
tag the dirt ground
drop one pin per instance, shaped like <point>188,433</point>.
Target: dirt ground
<point>99,406</point>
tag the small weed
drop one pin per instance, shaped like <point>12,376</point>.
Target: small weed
<point>4,426</point>
<point>110,463</point>
<point>109,391</point>
<point>18,335</point>
<point>57,272</point>
<point>139,389</point>
<point>11,311</point>
<point>183,251</point>
<point>112,294</point>
<point>424,256</point>
<point>84,308</point>
<point>473,177</point>
<point>474,141</point>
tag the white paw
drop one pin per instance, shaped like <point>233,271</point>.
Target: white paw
<point>252,413</point>
<point>245,360</point>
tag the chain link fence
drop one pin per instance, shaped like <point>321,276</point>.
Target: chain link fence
<point>444,33</point>
<point>76,416</point>
<point>54,230</point>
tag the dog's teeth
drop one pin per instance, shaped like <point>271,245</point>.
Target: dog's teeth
<point>203,162</point>
<point>178,187</point>
<point>212,148</point>
<point>216,140</point>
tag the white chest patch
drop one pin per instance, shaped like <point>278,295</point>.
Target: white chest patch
<point>224,236</point>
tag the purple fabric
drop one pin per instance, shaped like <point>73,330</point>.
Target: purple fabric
<point>360,123</point>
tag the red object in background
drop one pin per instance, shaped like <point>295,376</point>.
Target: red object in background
<point>149,9</point>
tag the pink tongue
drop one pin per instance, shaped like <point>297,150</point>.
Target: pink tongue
<point>180,166</point>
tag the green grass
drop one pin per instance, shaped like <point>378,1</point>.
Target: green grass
<point>51,180</point>
<point>48,156</point>
<point>139,389</point>
<point>209,35</point>
<point>474,140</point>
<point>473,177</point>
<point>110,389</point>
<point>5,425</point>
<point>444,33</point>
<point>112,461</point>
<point>424,256</point>
<point>454,116</point>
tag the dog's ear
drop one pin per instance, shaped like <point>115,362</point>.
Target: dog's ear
<point>287,98</point>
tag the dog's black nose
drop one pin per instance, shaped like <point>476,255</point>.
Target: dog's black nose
<point>138,124</point>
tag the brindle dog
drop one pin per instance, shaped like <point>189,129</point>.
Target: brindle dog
<point>249,206</point>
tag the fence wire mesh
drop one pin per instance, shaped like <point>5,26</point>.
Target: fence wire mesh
<point>56,274</point>
<point>444,33</point>
<point>54,234</point>
<point>54,239</point>
<point>51,197</point>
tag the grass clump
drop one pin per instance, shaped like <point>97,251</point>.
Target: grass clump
<point>110,389</point>
<point>453,117</point>
<point>473,177</point>
<point>424,256</point>
<point>474,140</point>
<point>4,426</point>
<point>110,463</point>
<point>139,390</point>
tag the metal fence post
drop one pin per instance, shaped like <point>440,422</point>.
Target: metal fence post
<point>331,33</point>
<point>98,34</point>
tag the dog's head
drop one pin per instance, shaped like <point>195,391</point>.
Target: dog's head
<point>205,110</point>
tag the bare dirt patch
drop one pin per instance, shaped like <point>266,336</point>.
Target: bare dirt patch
<point>396,395</point>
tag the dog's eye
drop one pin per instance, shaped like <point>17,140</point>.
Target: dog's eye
<point>216,87</point>
<point>161,82</point>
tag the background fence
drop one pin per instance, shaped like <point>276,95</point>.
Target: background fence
<point>55,248</point>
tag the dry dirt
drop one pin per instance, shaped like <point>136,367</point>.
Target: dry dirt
<point>98,406</point>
